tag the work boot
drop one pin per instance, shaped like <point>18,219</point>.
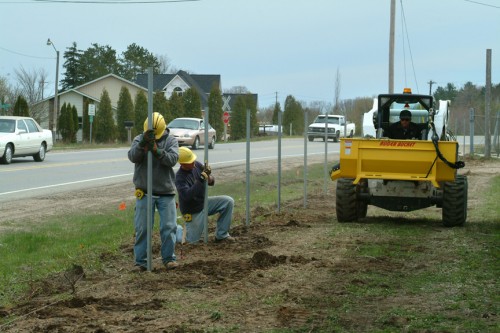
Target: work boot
<point>139,269</point>
<point>228,239</point>
<point>171,265</point>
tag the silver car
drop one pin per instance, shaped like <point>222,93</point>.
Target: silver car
<point>23,136</point>
<point>191,132</point>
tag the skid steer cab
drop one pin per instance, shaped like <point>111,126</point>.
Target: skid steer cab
<point>402,174</point>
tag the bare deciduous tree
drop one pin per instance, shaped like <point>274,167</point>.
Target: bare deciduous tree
<point>30,85</point>
<point>166,65</point>
<point>237,90</point>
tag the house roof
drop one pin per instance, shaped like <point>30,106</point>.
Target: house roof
<point>110,75</point>
<point>202,83</point>
<point>229,99</point>
<point>67,92</point>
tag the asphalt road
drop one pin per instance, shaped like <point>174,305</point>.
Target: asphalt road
<point>84,169</point>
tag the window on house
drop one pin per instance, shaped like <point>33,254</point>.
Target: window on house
<point>178,91</point>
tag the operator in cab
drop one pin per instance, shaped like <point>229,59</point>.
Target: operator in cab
<point>405,129</point>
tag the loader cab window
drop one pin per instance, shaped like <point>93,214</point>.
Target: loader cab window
<point>390,105</point>
<point>415,129</point>
<point>417,116</point>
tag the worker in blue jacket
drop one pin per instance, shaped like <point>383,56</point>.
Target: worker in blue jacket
<point>190,181</point>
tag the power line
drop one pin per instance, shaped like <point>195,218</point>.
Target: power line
<point>405,29</point>
<point>482,4</point>
<point>24,55</point>
<point>121,2</point>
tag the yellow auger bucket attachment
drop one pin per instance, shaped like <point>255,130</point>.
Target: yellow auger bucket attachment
<point>415,160</point>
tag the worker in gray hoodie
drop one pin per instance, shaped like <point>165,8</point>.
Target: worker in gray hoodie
<point>165,150</point>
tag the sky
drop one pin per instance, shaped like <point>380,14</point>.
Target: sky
<point>274,48</point>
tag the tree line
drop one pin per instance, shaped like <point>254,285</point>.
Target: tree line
<point>106,130</point>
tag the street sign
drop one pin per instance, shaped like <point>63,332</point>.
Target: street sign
<point>91,109</point>
<point>225,117</point>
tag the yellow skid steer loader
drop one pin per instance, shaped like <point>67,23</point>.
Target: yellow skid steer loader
<point>398,174</point>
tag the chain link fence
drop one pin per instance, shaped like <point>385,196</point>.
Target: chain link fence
<point>471,134</point>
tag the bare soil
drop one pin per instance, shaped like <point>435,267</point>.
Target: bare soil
<point>284,272</point>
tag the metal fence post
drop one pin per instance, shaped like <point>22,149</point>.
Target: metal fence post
<point>248,170</point>
<point>471,130</point>
<point>305,159</point>
<point>279,159</point>
<point>205,202</point>
<point>495,134</point>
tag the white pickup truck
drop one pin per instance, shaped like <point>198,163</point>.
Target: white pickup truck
<point>336,124</point>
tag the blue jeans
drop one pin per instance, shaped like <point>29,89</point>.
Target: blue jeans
<point>168,227</point>
<point>221,204</point>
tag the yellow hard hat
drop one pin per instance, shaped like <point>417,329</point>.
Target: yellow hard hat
<point>159,125</point>
<point>186,156</point>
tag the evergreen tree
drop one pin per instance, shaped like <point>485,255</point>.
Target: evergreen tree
<point>104,124</point>
<point>140,112</point>
<point>98,61</point>
<point>124,112</point>
<point>68,123</point>
<point>73,76</point>
<point>277,109</point>
<point>449,92</point>
<point>21,108</point>
<point>192,104</point>
<point>83,66</point>
<point>239,119</point>
<point>75,124</point>
<point>137,60</point>
<point>293,116</point>
<point>252,106</point>
<point>160,104</point>
<point>176,105</point>
<point>61,122</point>
<point>85,120</point>
<point>215,112</point>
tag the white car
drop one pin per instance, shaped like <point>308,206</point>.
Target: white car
<point>191,132</point>
<point>23,136</point>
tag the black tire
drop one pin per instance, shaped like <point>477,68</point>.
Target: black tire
<point>346,201</point>
<point>361,209</point>
<point>336,138</point>
<point>7,155</point>
<point>362,206</point>
<point>455,202</point>
<point>40,156</point>
<point>211,145</point>
<point>196,143</point>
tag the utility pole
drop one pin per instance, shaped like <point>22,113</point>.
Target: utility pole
<point>391,47</point>
<point>430,86</point>
<point>487,108</point>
